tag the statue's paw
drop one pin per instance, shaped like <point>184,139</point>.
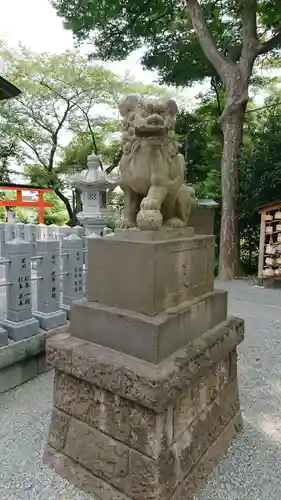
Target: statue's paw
<point>149,220</point>
<point>175,223</point>
<point>125,224</point>
<point>150,204</point>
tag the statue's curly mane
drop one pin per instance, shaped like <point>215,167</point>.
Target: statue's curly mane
<point>131,142</point>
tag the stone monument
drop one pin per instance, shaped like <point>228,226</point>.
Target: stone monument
<point>145,396</point>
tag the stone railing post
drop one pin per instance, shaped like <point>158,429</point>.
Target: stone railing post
<point>2,237</point>
<point>55,231</point>
<point>9,231</point>
<point>19,323</point>
<point>78,230</point>
<point>72,255</point>
<point>41,231</point>
<point>19,230</point>
<point>64,231</point>
<point>48,311</point>
<point>30,236</point>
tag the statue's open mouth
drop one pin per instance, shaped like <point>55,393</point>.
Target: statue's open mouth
<point>153,125</point>
<point>150,131</point>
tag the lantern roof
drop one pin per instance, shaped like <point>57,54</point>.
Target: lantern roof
<point>93,176</point>
<point>7,89</point>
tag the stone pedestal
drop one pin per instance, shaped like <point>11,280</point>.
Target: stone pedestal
<point>146,396</point>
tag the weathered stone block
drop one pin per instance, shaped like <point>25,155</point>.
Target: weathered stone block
<point>199,436</point>
<point>104,456</point>
<point>76,397</point>
<point>146,431</point>
<point>82,478</point>
<point>152,338</point>
<point>60,353</point>
<point>94,485</point>
<point>167,273</point>
<point>59,429</point>
<point>197,397</point>
<point>148,392</point>
<point>132,424</point>
<point>233,364</point>
<point>201,470</point>
<point>152,386</point>
<point>102,372</point>
<point>128,470</point>
<point>136,474</point>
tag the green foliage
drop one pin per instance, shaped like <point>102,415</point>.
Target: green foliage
<point>186,43</point>
<point>259,165</point>
<point>260,170</point>
<point>201,143</point>
<point>40,176</point>
<point>115,201</point>
<point>57,214</point>
<point>117,27</point>
<point>74,156</point>
<point>55,123</point>
<point>59,93</point>
<point>8,148</point>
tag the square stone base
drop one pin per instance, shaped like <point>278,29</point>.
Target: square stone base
<point>125,429</point>
<point>49,321</point>
<point>152,338</point>
<point>19,330</point>
<point>150,271</point>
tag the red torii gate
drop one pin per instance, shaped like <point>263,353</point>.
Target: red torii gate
<point>19,202</point>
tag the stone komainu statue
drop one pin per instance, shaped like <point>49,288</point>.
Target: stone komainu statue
<point>152,170</point>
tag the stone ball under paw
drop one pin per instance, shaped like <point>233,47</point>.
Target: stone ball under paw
<point>149,220</point>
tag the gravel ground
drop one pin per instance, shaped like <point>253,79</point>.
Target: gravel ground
<point>251,469</point>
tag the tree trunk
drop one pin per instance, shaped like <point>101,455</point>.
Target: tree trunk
<point>72,216</point>
<point>232,127</point>
<point>77,201</point>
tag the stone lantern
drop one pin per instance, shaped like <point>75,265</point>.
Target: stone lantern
<point>93,183</point>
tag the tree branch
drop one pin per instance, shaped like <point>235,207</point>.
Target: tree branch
<point>38,156</point>
<point>69,105</point>
<point>214,86</point>
<point>220,63</point>
<point>271,44</point>
<point>66,201</point>
<point>86,115</point>
<point>55,112</point>
<point>64,98</point>
<point>30,112</point>
<point>55,135</point>
<point>115,162</point>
